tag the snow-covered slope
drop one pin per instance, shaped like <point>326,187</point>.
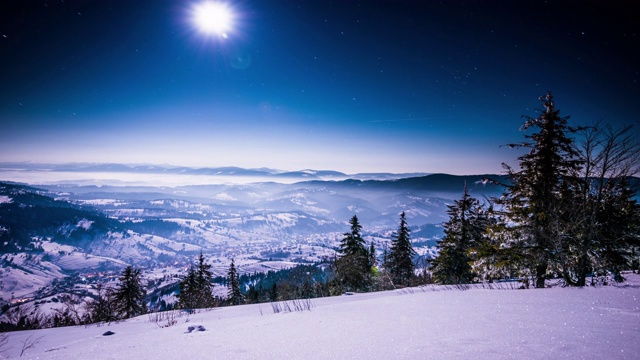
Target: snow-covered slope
<point>427,323</point>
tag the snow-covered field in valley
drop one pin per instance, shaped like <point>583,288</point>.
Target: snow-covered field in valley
<point>417,323</point>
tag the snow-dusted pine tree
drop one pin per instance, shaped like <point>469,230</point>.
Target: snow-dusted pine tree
<point>400,257</point>
<point>353,272</point>
<point>129,295</point>
<point>538,199</point>
<point>203,279</point>
<point>188,291</point>
<point>234,296</point>
<point>196,289</point>
<point>463,231</point>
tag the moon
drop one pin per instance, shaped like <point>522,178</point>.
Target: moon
<point>213,18</point>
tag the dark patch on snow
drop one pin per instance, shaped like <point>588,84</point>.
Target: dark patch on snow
<point>194,327</point>
<point>108,333</point>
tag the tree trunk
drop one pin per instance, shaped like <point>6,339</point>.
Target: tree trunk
<point>582,271</point>
<point>541,272</point>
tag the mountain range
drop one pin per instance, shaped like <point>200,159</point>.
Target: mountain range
<point>260,174</point>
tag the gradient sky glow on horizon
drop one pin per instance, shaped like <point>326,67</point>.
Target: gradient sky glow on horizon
<point>353,86</point>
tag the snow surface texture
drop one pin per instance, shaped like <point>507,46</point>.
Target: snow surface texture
<point>418,323</point>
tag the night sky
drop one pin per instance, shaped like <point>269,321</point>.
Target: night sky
<point>354,86</point>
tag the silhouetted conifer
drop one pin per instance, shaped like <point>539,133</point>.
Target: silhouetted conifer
<point>464,230</point>
<point>538,198</point>
<point>400,257</point>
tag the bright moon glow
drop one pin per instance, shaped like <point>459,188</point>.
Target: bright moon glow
<point>213,18</point>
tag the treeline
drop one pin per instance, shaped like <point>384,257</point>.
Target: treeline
<point>302,281</point>
<point>568,211</point>
<point>358,269</point>
<point>354,269</point>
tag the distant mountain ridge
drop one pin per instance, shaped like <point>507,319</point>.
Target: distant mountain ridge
<point>184,170</point>
<point>434,183</point>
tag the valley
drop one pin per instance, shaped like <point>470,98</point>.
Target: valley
<point>63,239</point>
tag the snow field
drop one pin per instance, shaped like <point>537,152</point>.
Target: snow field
<point>571,323</point>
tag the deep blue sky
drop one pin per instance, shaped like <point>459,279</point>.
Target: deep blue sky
<point>355,86</point>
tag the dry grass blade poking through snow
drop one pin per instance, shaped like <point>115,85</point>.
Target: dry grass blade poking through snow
<point>293,305</point>
<point>169,318</point>
<point>4,339</point>
<point>28,343</point>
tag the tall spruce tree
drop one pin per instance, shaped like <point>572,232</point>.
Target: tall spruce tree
<point>129,295</point>
<point>353,243</point>
<point>196,290</point>
<point>400,257</point>
<point>234,295</point>
<point>537,200</point>
<point>187,298</point>
<point>203,280</point>
<point>463,231</point>
<point>352,266</point>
